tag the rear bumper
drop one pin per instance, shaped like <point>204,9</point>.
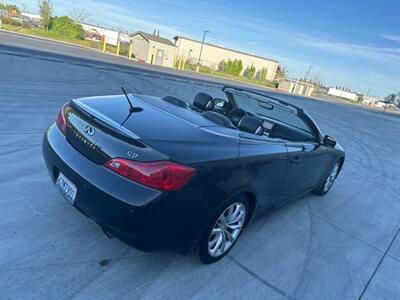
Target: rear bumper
<point>130,211</point>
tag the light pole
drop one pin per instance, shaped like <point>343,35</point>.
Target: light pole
<point>190,51</point>
<point>201,50</point>
<point>308,73</point>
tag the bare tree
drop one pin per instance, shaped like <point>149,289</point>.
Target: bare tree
<point>390,99</point>
<point>78,15</point>
<point>317,77</point>
<point>281,73</point>
<point>46,11</point>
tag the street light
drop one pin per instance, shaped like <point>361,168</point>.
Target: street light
<point>201,49</point>
<point>190,51</point>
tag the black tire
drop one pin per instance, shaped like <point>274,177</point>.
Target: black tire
<point>322,190</point>
<point>203,246</point>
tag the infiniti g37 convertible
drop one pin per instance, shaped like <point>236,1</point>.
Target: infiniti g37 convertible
<point>169,174</point>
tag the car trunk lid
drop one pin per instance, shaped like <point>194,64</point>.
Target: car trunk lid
<point>99,135</point>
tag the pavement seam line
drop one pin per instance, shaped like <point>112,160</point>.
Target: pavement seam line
<point>379,264</point>
<point>346,232</point>
<point>263,281</point>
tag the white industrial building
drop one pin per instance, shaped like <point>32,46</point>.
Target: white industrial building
<point>153,49</point>
<point>111,35</point>
<point>31,16</point>
<point>297,87</point>
<point>342,94</point>
<point>371,100</point>
<point>212,55</point>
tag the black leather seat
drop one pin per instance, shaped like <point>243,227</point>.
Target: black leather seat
<point>203,102</point>
<point>218,118</point>
<point>236,115</point>
<point>251,124</point>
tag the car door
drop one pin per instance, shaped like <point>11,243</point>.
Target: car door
<point>306,166</point>
<point>306,157</point>
<point>263,163</point>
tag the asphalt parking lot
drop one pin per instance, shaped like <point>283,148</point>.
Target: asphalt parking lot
<point>341,246</point>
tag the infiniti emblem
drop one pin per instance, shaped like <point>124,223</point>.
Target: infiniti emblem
<point>88,129</point>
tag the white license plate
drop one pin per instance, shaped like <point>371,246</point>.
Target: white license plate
<point>66,187</point>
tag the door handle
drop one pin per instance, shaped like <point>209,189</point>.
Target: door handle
<point>295,160</point>
<point>308,147</point>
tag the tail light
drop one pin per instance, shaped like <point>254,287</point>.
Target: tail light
<point>162,175</point>
<point>61,122</point>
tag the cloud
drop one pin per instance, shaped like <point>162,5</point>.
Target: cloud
<point>118,16</point>
<point>263,31</point>
<point>380,54</point>
<point>391,37</point>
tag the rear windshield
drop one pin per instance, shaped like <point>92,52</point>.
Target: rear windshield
<point>271,111</point>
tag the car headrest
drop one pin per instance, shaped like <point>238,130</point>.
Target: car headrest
<point>203,102</point>
<point>251,124</point>
<point>236,115</point>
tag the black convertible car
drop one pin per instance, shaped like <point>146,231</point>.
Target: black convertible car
<point>162,173</point>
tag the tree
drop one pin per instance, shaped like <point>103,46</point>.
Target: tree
<point>46,11</point>
<point>398,100</point>
<point>234,67</point>
<point>222,66</point>
<point>78,15</point>
<point>66,26</point>
<point>263,73</point>
<point>250,72</point>
<point>281,73</point>
<point>316,78</point>
<point>390,99</point>
<point>10,7</point>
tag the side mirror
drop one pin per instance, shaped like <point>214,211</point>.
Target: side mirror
<point>329,141</point>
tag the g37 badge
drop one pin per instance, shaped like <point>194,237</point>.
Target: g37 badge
<point>132,154</point>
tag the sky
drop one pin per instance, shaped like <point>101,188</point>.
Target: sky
<point>349,43</point>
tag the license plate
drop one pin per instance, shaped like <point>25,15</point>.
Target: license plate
<point>66,188</point>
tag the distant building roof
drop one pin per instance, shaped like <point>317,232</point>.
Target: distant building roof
<point>154,38</point>
<point>31,15</point>
<point>182,37</point>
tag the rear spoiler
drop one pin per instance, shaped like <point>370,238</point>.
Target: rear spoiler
<point>105,122</point>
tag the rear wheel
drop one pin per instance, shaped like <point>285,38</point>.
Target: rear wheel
<point>329,180</point>
<point>224,231</point>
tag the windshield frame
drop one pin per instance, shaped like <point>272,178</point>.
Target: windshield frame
<point>305,117</point>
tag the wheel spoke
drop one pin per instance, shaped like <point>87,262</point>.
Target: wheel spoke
<point>217,244</point>
<point>234,226</point>
<point>216,230</point>
<point>230,237</point>
<point>237,218</point>
<point>235,211</point>
<point>221,247</point>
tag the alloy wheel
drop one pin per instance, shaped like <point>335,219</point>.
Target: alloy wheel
<point>227,229</point>
<point>331,177</point>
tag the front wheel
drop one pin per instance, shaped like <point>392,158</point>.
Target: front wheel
<point>329,180</point>
<point>223,231</point>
